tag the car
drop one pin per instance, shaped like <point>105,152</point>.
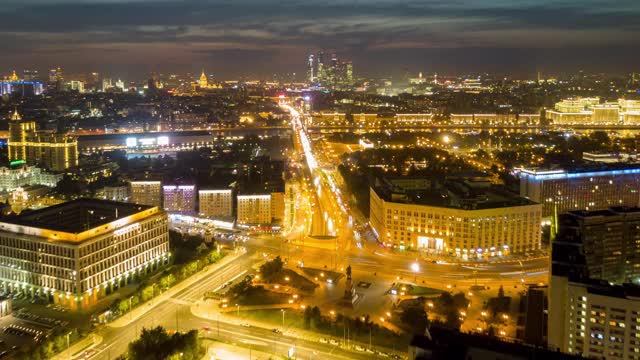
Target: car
<point>276,331</point>
<point>359,348</point>
<point>324,340</point>
<point>370,351</point>
<point>246,324</point>
<point>383,354</point>
<point>334,342</point>
<point>14,347</point>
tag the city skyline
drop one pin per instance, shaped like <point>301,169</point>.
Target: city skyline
<point>261,38</point>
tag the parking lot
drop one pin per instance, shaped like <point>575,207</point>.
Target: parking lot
<point>16,334</point>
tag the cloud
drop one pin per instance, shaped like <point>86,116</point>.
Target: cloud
<point>196,28</point>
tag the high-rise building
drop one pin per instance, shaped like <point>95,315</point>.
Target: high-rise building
<point>216,203</point>
<point>334,74</point>
<point>321,69</point>
<point>310,69</point>
<point>77,86</point>
<point>50,150</point>
<point>146,193</point>
<point>56,79</point>
<point>73,252</point>
<point>594,301</point>
<point>179,198</point>
<point>589,188</point>
<point>464,218</point>
<point>106,84</point>
<point>254,209</point>
<point>120,85</point>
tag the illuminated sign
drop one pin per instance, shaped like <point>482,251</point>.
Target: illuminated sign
<point>17,162</point>
<point>132,142</point>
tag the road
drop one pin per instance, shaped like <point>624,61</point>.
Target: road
<point>175,314</point>
<point>369,262</point>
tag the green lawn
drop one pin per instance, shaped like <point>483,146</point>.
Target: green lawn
<point>380,337</point>
<point>414,290</point>
<point>260,296</point>
<point>295,280</point>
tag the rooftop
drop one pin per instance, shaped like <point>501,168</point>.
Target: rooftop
<point>76,216</point>
<point>460,193</point>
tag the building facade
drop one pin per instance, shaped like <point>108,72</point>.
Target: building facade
<point>13,178</point>
<point>594,299</point>
<point>589,111</point>
<point>592,188</point>
<point>50,150</point>
<point>75,251</point>
<point>450,229</point>
<point>254,209</point>
<point>594,319</point>
<point>179,198</point>
<point>216,203</point>
<point>146,193</point>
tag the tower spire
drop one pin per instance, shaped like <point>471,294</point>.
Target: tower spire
<point>15,116</point>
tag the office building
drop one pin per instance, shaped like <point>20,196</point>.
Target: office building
<point>49,150</point>
<point>594,187</point>
<point>311,69</point>
<point>74,252</point>
<point>77,85</point>
<point>107,84</point>
<point>335,74</point>
<point>277,206</point>
<point>594,300</point>
<point>254,209</point>
<point>463,217</point>
<point>21,175</point>
<point>607,243</point>
<point>179,198</point>
<point>26,86</point>
<point>146,193</point>
<point>216,203</point>
<point>589,111</point>
<point>116,193</point>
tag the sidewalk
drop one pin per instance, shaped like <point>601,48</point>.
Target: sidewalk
<point>142,309</point>
<point>90,341</point>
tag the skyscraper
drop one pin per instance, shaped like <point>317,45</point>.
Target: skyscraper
<point>310,69</point>
<point>334,74</point>
<point>50,150</point>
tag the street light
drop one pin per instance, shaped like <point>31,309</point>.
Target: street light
<point>69,334</point>
<point>415,267</point>
<point>283,311</point>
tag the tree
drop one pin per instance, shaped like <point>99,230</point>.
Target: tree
<point>271,268</point>
<point>415,318</point>
<point>156,343</point>
<point>307,318</point>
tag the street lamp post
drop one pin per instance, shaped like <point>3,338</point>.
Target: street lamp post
<point>68,344</point>
<point>415,267</point>
<point>283,311</point>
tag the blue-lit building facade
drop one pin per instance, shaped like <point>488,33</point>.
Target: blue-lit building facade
<point>23,87</point>
<point>592,188</point>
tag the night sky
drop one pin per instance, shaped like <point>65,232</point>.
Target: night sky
<point>261,37</point>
